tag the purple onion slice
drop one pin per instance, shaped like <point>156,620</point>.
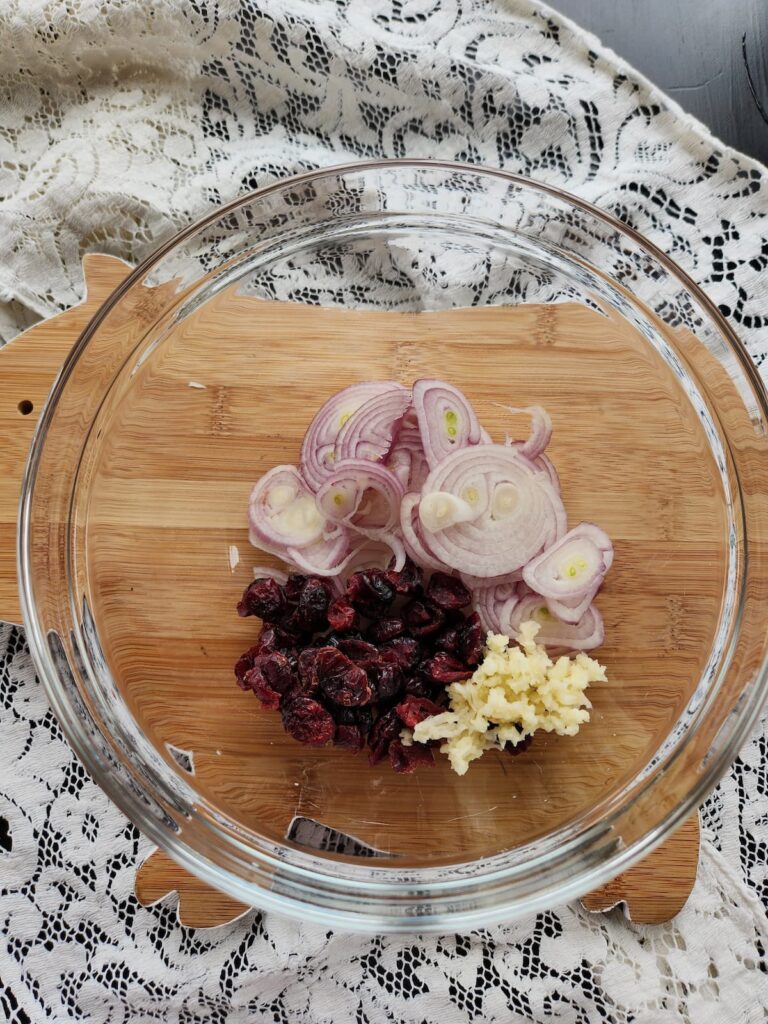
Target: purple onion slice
<point>317,449</point>
<point>520,511</point>
<point>407,459</point>
<point>584,635</point>
<point>282,511</point>
<point>362,494</point>
<point>370,431</point>
<point>574,567</point>
<point>446,420</point>
<point>415,544</point>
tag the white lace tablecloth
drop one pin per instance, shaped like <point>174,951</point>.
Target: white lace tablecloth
<point>122,120</point>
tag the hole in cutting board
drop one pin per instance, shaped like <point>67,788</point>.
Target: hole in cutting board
<point>25,407</point>
<point>183,758</point>
<point>6,841</point>
<point>316,836</point>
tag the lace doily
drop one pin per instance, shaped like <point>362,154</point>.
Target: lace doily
<point>120,121</point>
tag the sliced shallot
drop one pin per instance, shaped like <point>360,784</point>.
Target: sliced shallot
<point>372,554</point>
<point>362,494</point>
<point>283,511</point>
<point>440,509</point>
<point>370,431</point>
<point>491,601</point>
<point>407,459</point>
<point>399,461</point>
<point>541,431</point>
<point>447,421</point>
<point>317,449</point>
<point>415,544</point>
<point>520,515</point>
<point>541,463</point>
<point>573,567</point>
<point>573,611</point>
<point>390,472</point>
<point>584,635</point>
<point>544,464</point>
<point>326,558</point>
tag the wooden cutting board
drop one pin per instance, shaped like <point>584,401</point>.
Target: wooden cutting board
<point>651,892</point>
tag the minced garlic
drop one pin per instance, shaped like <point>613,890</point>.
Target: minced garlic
<point>513,692</point>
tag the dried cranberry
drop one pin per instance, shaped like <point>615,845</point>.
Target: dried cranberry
<point>341,615</point>
<point>307,669</point>
<point>343,716</point>
<point>514,750</point>
<point>444,668</point>
<point>364,717</point>
<point>311,614</point>
<point>454,617</point>
<point>405,649</point>
<point>263,597</point>
<point>413,710</point>
<point>354,672</point>
<point>255,681</point>
<point>244,664</point>
<point>472,641</point>
<point>407,580</point>
<point>423,618</point>
<point>276,669</point>
<point>334,639</point>
<point>448,591</point>
<point>359,651</point>
<point>389,681</point>
<point>270,677</point>
<point>387,656</point>
<point>340,679</point>
<point>449,640</point>
<point>386,629</point>
<point>274,638</point>
<point>417,686</point>
<point>369,592</point>
<point>350,736</point>
<point>293,587</point>
<point>383,733</point>
<point>406,760</point>
<point>440,697</point>
<point>291,624</point>
<point>308,721</point>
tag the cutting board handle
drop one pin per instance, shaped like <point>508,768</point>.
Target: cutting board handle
<point>28,367</point>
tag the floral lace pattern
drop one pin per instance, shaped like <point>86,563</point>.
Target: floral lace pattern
<point>121,121</point>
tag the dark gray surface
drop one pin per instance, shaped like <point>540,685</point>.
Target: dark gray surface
<point>692,49</point>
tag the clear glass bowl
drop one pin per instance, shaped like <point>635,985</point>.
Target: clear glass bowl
<point>136,491</point>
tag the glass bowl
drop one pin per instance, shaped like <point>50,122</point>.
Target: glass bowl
<point>203,370</point>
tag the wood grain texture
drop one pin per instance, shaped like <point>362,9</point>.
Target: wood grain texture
<point>28,367</point>
<point>170,480</point>
<point>199,905</point>
<point>657,888</point>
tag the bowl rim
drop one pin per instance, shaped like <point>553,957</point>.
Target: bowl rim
<point>620,858</point>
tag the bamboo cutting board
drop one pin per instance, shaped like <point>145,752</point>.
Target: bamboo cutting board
<point>652,891</point>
